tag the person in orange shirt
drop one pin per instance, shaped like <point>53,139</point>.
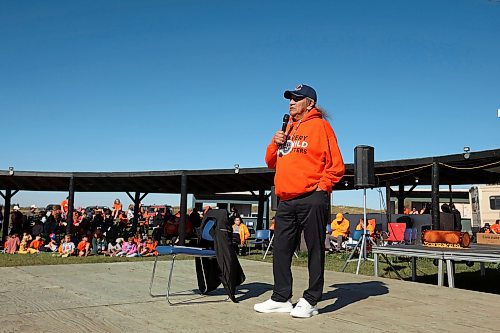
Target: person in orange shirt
<point>240,232</point>
<point>117,207</point>
<point>5,245</point>
<point>370,226</point>
<point>340,231</point>
<point>65,205</point>
<point>308,164</point>
<point>83,247</point>
<point>37,243</point>
<point>495,228</point>
<point>149,248</point>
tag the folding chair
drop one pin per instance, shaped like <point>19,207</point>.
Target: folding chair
<point>352,242</point>
<point>185,250</point>
<point>261,237</point>
<point>396,232</point>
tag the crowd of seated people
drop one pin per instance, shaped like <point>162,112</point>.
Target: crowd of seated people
<point>134,246</point>
<point>99,230</point>
<point>95,231</point>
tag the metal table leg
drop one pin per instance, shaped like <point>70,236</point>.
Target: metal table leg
<point>483,269</point>
<point>375,263</point>
<point>450,269</point>
<point>440,272</point>
<point>414,269</point>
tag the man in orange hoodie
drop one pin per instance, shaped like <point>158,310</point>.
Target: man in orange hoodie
<point>308,164</point>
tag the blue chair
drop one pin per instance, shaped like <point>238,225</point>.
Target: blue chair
<point>261,237</point>
<point>356,236</point>
<point>185,250</point>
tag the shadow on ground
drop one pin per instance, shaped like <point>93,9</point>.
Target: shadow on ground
<point>469,280</point>
<point>251,290</point>
<point>348,293</point>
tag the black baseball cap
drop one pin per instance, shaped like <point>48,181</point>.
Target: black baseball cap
<point>301,91</point>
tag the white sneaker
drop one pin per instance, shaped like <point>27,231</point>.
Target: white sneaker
<point>271,306</point>
<point>303,309</point>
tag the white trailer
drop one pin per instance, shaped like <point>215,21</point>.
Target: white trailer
<point>485,204</point>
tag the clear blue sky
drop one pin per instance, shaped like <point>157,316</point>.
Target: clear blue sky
<point>162,85</point>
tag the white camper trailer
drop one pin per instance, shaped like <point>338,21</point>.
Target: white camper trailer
<point>485,204</point>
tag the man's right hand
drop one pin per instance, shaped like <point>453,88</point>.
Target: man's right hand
<point>279,137</point>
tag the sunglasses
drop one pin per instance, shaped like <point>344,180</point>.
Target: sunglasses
<point>297,98</point>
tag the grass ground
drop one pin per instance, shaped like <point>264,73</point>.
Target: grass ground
<point>12,260</point>
<point>465,277</point>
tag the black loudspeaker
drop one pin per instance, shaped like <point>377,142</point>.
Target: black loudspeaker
<point>274,200</point>
<point>364,167</point>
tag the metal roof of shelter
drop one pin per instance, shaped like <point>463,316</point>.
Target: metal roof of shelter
<point>481,167</point>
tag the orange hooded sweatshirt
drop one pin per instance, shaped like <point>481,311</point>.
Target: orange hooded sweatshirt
<point>310,159</point>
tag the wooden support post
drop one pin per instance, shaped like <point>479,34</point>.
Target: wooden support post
<point>451,194</point>
<point>71,204</point>
<point>389,210</point>
<point>401,199</point>
<point>6,214</point>
<point>183,210</point>
<point>435,196</point>
<point>260,211</point>
<point>137,202</point>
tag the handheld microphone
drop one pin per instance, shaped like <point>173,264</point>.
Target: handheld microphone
<point>286,118</point>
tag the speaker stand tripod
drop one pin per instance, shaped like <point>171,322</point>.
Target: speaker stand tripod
<point>269,246</point>
<point>361,245</point>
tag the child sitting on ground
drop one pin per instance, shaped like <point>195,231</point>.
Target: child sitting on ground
<point>83,247</point>
<point>129,249</point>
<point>141,244</point>
<point>52,244</point>
<point>99,244</point>
<point>149,248</point>
<point>115,247</point>
<point>24,245</point>
<point>12,244</point>
<point>36,244</point>
<point>5,244</point>
<point>67,247</point>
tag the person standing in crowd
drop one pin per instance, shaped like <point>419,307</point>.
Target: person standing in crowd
<point>50,224</point>
<point>65,208</point>
<point>308,164</point>
<point>130,213</point>
<point>16,220</point>
<point>32,215</point>
<point>457,217</point>
<point>195,219</point>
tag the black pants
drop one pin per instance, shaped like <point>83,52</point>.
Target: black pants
<point>308,213</point>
